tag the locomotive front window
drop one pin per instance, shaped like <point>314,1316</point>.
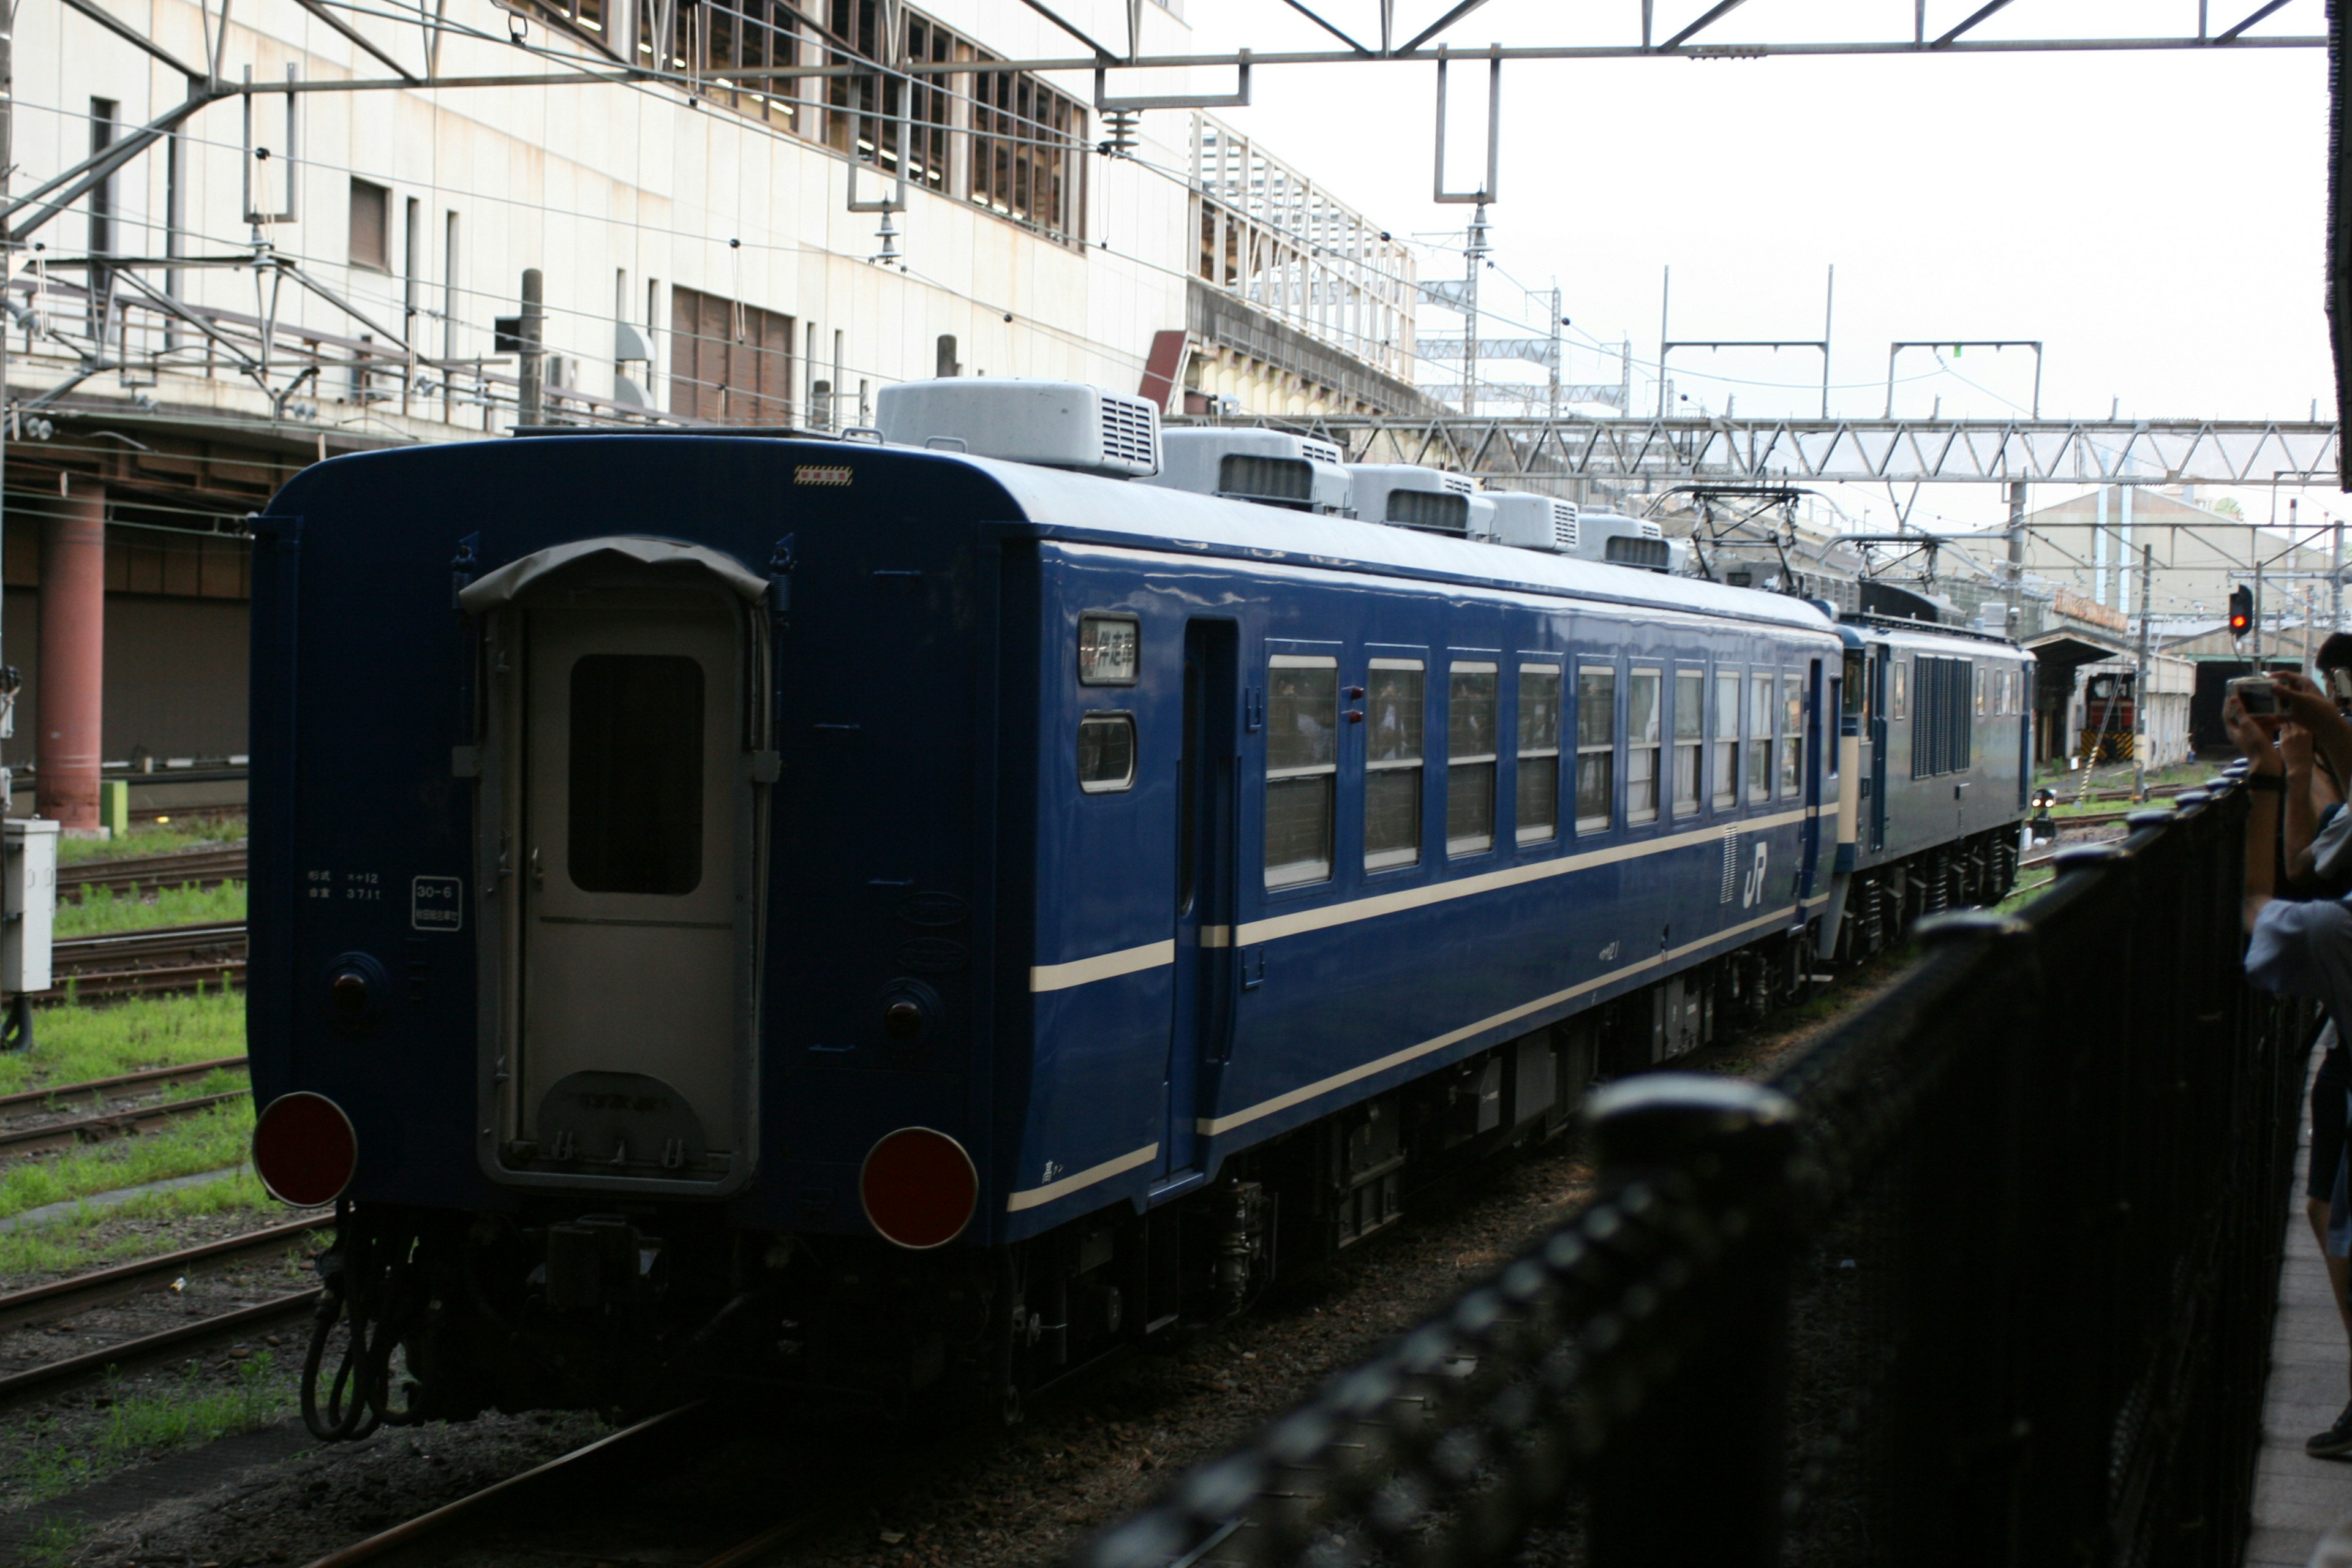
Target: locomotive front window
<point>1539,813</point>
<point>1470,714</point>
<point>1302,728</point>
<point>1760,739</point>
<point>1105,752</point>
<point>635,781</point>
<point>1642,743</point>
<point>1792,733</point>
<point>1690,727</point>
<point>1596,746</point>
<point>1727,739</point>
<point>1392,763</point>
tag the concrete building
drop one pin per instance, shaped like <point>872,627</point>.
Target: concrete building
<point>228,287</point>
<point>2091,544</point>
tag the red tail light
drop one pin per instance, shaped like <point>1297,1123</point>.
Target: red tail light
<point>305,1149</point>
<point>918,1187</point>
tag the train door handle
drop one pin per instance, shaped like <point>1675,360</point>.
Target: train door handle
<point>1252,967</point>
<point>538,872</point>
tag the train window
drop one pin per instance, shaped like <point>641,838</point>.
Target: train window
<point>1539,813</point>
<point>1111,649</point>
<point>636,785</point>
<point>1302,726</point>
<point>1727,739</point>
<point>1792,733</point>
<point>1643,744</point>
<point>1980,690</point>
<point>1760,739</point>
<point>1105,752</point>
<point>1392,763</point>
<point>1899,704</point>
<point>1470,714</point>
<point>1855,686</point>
<point>1596,746</point>
<point>1690,726</point>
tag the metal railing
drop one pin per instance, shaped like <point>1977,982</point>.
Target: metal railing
<point>1985,1277</point>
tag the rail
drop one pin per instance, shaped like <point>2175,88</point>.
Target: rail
<point>1984,1278</point>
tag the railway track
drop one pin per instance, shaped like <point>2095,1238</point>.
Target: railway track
<point>154,962</point>
<point>182,869</point>
<point>634,1447</point>
<point>64,1297</point>
<point>103,1123</point>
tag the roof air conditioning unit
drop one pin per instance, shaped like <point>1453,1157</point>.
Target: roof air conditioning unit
<point>1623,542</point>
<point>1272,468</point>
<point>1054,424</point>
<point>1406,495</point>
<point>1534,523</point>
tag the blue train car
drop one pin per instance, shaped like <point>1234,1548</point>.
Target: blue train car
<point>861,917</point>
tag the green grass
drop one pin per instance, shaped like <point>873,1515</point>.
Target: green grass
<point>210,1140</point>
<point>73,1044</point>
<point>53,1459</point>
<point>151,838</point>
<point>52,1545</point>
<point>82,1240</point>
<point>2028,891</point>
<point>104,910</point>
<point>192,1413</point>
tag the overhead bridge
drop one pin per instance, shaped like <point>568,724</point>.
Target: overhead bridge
<point>1833,451</point>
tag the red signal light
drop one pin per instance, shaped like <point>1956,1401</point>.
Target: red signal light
<point>305,1149</point>
<point>919,1188</point>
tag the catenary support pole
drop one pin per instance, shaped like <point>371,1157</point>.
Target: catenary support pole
<point>71,701</point>
<point>531,397</point>
<point>2140,674</point>
<point>2016,575</point>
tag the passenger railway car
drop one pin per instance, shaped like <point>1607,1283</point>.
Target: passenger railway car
<point>732,908</point>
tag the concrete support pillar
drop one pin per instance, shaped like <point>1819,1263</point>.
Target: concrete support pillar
<point>70,700</point>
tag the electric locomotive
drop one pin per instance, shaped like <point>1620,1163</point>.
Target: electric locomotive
<point>902,918</point>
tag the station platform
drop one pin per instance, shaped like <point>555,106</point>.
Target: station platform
<point>2297,1497</point>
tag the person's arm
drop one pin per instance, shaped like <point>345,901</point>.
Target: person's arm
<point>2310,706</point>
<point>2265,780</point>
<point>2303,790</point>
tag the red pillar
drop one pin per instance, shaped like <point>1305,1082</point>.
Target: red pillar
<point>69,688</point>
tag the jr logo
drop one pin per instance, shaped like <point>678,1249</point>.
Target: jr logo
<point>1751,891</point>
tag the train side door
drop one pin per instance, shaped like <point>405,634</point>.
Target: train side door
<point>1873,729</point>
<point>1207,775</point>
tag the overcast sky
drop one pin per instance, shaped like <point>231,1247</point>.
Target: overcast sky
<point>2156,219</point>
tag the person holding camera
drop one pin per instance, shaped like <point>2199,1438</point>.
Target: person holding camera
<point>2303,948</point>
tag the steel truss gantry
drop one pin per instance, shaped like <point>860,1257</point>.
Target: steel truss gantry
<point>1660,452</point>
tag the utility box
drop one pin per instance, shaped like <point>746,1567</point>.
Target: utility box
<point>114,807</point>
<point>29,905</point>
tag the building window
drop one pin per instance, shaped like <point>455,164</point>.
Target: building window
<point>729,363</point>
<point>1643,745</point>
<point>1760,738</point>
<point>1727,739</point>
<point>1539,791</point>
<point>1792,733</point>
<point>1395,697</point>
<point>370,226</point>
<point>1470,712</point>
<point>1596,746</point>
<point>1302,724</point>
<point>1690,727</point>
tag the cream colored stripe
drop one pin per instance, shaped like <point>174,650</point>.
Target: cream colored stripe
<point>1102,966</point>
<point>1086,1178</point>
<point>1226,1123</point>
<point>1405,899</point>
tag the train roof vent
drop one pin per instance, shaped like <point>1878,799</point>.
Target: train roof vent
<point>1534,523</point>
<point>1625,540</point>
<point>1406,495</point>
<point>1271,467</point>
<point>1054,424</point>
<point>1649,555</point>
